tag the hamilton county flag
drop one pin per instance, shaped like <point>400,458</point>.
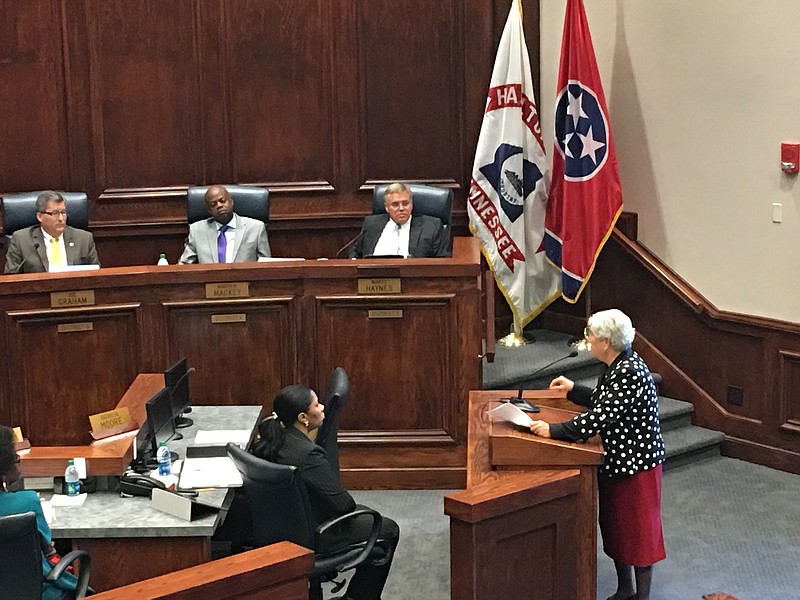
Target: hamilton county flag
<point>508,193</point>
<point>585,196</point>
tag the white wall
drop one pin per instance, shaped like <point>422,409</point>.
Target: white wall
<point>701,93</point>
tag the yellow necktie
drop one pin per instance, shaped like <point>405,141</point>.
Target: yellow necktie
<point>56,259</point>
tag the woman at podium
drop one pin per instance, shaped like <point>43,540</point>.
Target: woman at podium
<point>623,411</point>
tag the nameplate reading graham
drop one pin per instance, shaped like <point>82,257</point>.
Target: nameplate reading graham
<point>110,418</point>
<point>386,313</point>
<point>70,299</point>
<point>232,318</point>
<point>74,327</point>
<point>386,285</point>
<point>216,291</point>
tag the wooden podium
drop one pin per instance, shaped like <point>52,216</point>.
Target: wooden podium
<point>525,527</point>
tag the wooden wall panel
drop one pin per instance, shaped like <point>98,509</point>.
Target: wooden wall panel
<point>144,92</point>
<point>100,362</point>
<point>412,84</point>
<point>400,395</point>
<point>33,134</point>
<point>789,397</point>
<point>254,358</point>
<point>279,81</point>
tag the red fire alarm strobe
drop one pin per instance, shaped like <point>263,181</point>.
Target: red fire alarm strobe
<point>790,157</point>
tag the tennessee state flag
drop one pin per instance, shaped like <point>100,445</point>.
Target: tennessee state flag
<point>585,195</point>
<point>510,178</point>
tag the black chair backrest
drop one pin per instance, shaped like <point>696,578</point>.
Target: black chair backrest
<point>428,200</point>
<point>20,557</point>
<point>336,398</point>
<point>248,201</point>
<point>19,210</point>
<point>278,500</point>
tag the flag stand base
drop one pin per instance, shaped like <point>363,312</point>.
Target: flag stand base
<point>514,340</point>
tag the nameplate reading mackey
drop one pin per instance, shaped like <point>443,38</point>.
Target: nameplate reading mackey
<point>110,418</point>
<point>386,285</point>
<point>216,291</point>
<point>69,299</point>
<point>232,318</point>
<point>75,327</point>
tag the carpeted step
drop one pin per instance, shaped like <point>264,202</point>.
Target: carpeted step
<point>674,413</point>
<point>689,444</point>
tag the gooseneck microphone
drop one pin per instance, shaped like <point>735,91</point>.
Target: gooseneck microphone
<point>348,244</point>
<point>522,404</point>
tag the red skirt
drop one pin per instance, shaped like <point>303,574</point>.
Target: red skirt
<point>630,518</point>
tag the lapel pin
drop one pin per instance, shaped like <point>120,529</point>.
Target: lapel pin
<point>71,244</point>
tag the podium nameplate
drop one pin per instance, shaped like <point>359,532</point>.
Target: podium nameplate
<point>70,299</point>
<point>216,291</point>
<point>385,285</point>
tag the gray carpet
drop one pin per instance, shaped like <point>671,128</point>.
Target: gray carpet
<point>729,526</point>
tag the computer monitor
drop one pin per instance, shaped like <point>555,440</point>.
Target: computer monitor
<point>176,379</point>
<point>159,427</point>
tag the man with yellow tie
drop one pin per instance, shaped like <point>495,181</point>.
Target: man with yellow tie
<point>52,245</point>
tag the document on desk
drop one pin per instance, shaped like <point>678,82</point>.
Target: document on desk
<point>216,472</point>
<point>220,437</point>
<point>512,414</point>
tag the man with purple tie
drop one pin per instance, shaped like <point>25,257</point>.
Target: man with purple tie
<point>225,237</point>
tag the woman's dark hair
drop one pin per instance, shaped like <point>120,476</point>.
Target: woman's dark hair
<point>8,456</point>
<point>290,402</point>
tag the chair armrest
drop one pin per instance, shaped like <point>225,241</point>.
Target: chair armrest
<point>83,575</point>
<point>377,521</point>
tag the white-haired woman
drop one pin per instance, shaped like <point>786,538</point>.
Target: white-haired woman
<point>623,410</point>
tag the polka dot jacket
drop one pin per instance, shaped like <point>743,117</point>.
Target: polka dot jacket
<point>623,410</point>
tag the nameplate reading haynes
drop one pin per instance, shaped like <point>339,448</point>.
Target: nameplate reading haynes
<point>110,418</point>
<point>74,327</point>
<point>233,318</point>
<point>387,285</point>
<point>386,313</point>
<point>69,299</point>
<point>215,291</point>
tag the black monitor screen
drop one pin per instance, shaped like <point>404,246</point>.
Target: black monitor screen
<point>176,378</point>
<point>159,419</point>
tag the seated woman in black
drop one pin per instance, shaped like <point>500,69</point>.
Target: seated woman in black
<point>285,440</point>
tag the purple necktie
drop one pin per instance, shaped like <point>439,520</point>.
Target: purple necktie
<point>222,243</point>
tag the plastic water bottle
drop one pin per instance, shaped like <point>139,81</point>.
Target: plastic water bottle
<point>162,260</point>
<point>164,459</point>
<point>72,479</point>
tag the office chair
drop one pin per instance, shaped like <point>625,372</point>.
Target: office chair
<point>428,200</point>
<point>248,201</point>
<point>281,511</point>
<point>336,398</point>
<point>19,211</point>
<point>21,560</point>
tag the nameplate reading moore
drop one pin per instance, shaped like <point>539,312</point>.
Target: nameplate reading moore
<point>387,285</point>
<point>69,299</point>
<point>216,291</point>
<point>110,418</point>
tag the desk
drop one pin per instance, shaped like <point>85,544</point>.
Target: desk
<point>410,343</point>
<point>130,541</point>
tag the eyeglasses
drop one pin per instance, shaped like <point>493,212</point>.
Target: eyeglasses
<point>55,213</point>
<point>587,332</point>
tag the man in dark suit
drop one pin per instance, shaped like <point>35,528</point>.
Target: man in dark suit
<point>398,232</point>
<point>225,236</point>
<point>52,245</point>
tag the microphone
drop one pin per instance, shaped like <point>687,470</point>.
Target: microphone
<point>348,244</point>
<point>574,340</point>
<point>522,404</point>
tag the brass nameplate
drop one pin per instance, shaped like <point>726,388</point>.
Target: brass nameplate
<point>386,285</point>
<point>215,291</point>
<point>73,327</point>
<point>393,313</point>
<point>69,299</point>
<point>17,434</point>
<point>110,418</point>
<point>232,318</point>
